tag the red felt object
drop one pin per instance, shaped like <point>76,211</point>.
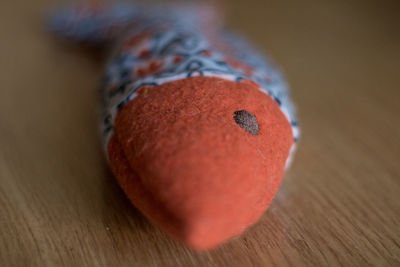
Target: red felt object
<point>182,160</point>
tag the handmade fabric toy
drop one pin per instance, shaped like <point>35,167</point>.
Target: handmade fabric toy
<point>197,125</point>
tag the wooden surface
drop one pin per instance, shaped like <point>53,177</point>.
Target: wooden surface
<point>339,205</point>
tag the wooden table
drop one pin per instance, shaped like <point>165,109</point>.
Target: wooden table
<point>338,205</point>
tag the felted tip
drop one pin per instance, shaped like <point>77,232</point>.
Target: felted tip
<point>201,234</point>
<point>201,157</point>
<point>198,238</point>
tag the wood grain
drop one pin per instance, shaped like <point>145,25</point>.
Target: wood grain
<point>339,205</point>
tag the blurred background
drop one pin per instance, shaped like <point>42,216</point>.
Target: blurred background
<point>338,205</point>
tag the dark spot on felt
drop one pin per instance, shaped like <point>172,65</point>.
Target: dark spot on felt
<point>247,121</point>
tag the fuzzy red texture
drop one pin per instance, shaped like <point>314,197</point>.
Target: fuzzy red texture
<point>183,161</point>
